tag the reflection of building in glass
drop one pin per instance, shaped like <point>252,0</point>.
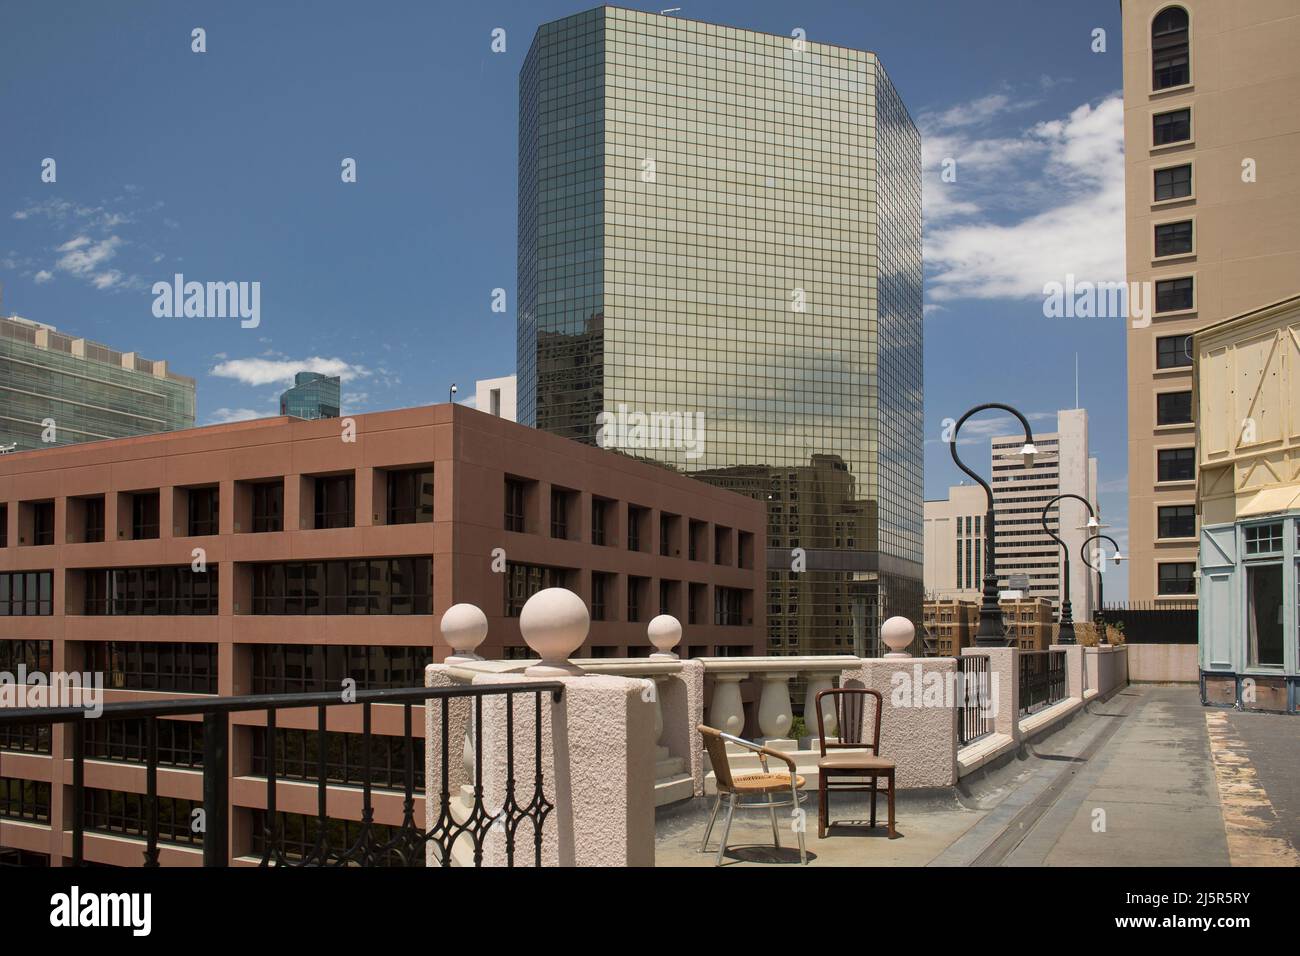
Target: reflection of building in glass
<point>718,221</point>
<point>313,396</point>
<point>87,390</point>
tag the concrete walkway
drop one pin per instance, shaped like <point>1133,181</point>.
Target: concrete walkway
<point>1134,781</point>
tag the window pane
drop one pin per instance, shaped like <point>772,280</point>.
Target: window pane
<point>1264,616</point>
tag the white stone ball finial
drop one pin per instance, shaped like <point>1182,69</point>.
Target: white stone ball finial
<point>665,633</point>
<point>464,627</point>
<point>554,623</point>
<point>897,633</point>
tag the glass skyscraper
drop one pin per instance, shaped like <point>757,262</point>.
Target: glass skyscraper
<point>720,230</point>
<point>86,390</point>
<point>313,395</point>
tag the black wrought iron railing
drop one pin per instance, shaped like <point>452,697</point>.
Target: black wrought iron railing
<point>520,816</point>
<point>1042,680</point>
<point>975,706</point>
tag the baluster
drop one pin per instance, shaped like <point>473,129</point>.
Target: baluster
<point>444,796</point>
<point>480,811</point>
<point>367,810</point>
<point>216,789</point>
<point>78,792</point>
<point>408,804</point>
<point>507,810</point>
<point>322,792</point>
<point>539,803</point>
<point>151,788</point>
<point>272,752</point>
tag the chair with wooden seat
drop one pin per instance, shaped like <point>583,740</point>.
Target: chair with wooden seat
<point>766,786</point>
<point>851,762</point>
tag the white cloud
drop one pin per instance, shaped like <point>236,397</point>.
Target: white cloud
<point>83,258</point>
<point>1116,486</point>
<point>223,416</point>
<point>978,430</point>
<point>1072,170</point>
<point>976,112</point>
<point>264,371</point>
<point>95,238</point>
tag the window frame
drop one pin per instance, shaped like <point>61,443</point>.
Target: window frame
<point>1175,594</point>
<point>1161,395</point>
<point>1175,448</point>
<point>1190,196</point>
<point>1156,226</point>
<point>1168,313</point>
<point>1151,61</point>
<point>1160,536</point>
<point>1173,143</point>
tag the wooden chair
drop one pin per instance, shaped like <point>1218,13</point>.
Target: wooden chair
<point>851,769</point>
<point>765,784</point>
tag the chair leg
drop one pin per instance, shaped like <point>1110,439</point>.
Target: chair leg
<point>891,805</point>
<point>822,807</point>
<point>708,830</point>
<point>776,833</point>
<point>873,801</point>
<point>726,830</point>
<point>803,849</point>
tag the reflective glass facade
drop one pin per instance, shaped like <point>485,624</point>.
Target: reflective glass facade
<point>90,391</point>
<point>312,396</point>
<point>720,223</point>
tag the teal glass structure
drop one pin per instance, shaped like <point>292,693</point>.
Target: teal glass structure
<point>58,389</point>
<point>313,395</point>
<point>721,229</point>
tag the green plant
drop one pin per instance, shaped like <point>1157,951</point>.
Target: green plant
<point>798,729</point>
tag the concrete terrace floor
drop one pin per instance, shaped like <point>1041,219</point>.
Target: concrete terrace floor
<point>1146,778</point>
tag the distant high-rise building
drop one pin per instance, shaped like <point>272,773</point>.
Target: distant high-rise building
<point>1212,181</point>
<point>59,389</point>
<point>1020,492</point>
<point>954,544</point>
<point>720,239</point>
<point>313,396</point>
<point>496,396</point>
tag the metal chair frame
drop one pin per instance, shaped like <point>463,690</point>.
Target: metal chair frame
<point>734,802</point>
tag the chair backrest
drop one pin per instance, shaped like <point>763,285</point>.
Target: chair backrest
<point>717,749</point>
<point>857,729</point>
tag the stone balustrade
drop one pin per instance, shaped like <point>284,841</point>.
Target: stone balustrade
<point>623,738</point>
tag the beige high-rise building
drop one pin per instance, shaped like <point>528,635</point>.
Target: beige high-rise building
<point>954,544</point>
<point>1212,180</point>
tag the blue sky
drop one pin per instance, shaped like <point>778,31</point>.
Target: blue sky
<point>225,166</point>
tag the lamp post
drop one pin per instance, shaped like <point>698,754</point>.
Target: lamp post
<point>1099,615</point>
<point>451,394</point>
<point>992,632</point>
<point>1067,614</point>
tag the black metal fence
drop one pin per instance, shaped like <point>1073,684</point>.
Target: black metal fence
<point>369,844</point>
<point>1154,623</point>
<point>975,704</point>
<point>1042,680</point>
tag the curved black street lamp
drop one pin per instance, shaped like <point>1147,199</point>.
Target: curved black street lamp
<point>1099,615</point>
<point>992,631</point>
<point>1066,635</point>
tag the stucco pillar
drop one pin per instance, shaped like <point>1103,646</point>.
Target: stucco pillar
<point>918,723</point>
<point>1004,678</point>
<point>1073,668</point>
<point>597,764</point>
